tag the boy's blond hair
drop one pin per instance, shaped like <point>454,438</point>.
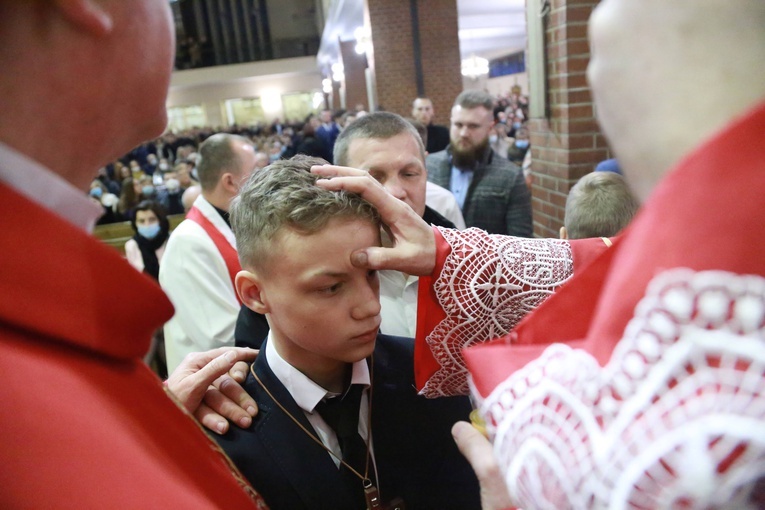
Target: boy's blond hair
<point>284,194</point>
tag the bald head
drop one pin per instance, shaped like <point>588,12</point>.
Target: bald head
<point>110,98</point>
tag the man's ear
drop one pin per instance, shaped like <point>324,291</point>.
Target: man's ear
<point>563,233</point>
<point>251,292</point>
<point>231,182</point>
<point>88,15</point>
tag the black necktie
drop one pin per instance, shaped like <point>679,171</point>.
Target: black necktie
<point>342,415</point>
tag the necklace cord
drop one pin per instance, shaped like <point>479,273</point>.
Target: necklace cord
<point>365,477</point>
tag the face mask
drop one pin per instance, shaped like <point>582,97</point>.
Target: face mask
<point>522,144</point>
<point>163,167</point>
<point>173,186</point>
<point>148,190</point>
<point>517,125</point>
<point>149,231</point>
<point>493,138</point>
<point>96,192</point>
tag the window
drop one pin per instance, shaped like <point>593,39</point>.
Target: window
<point>245,111</point>
<point>186,117</point>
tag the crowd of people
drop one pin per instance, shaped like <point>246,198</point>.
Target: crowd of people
<point>618,372</point>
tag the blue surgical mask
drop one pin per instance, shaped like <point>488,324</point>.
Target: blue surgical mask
<point>517,125</point>
<point>96,192</point>
<point>522,144</point>
<point>148,190</point>
<point>493,139</point>
<point>149,231</point>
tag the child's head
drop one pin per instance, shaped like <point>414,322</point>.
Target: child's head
<point>295,241</point>
<point>599,205</point>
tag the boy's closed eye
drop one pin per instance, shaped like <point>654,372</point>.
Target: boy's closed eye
<point>330,289</point>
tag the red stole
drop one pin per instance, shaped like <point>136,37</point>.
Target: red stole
<point>228,252</point>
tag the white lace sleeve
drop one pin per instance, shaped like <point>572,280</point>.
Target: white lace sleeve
<point>488,284</point>
<point>676,419</point>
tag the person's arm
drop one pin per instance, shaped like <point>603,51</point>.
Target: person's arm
<point>478,288</point>
<point>478,452</point>
<point>207,385</point>
<point>518,219</point>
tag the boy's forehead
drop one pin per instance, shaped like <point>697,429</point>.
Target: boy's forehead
<point>295,254</point>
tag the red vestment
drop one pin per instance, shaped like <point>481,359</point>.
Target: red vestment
<point>85,423</point>
<point>641,383</point>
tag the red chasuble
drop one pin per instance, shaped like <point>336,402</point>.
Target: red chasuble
<point>85,423</point>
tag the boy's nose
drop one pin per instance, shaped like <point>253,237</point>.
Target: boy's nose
<point>368,304</point>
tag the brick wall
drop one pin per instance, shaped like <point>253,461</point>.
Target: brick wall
<point>441,62</point>
<point>394,58</point>
<point>567,144</point>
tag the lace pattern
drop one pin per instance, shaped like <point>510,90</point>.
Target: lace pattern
<point>676,419</point>
<point>488,284</point>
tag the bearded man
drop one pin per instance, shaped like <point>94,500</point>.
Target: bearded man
<point>490,189</point>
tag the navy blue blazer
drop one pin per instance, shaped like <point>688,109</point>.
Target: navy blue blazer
<point>417,459</point>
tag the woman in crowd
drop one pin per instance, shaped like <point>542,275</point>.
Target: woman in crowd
<point>101,195</point>
<point>144,251</point>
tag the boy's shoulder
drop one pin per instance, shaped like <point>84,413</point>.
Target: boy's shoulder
<point>280,460</point>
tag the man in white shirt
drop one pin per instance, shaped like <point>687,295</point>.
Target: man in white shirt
<point>200,259</point>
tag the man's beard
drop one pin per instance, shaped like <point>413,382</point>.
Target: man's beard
<point>467,158</point>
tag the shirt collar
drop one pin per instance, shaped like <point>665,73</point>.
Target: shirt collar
<point>47,189</point>
<point>303,390</point>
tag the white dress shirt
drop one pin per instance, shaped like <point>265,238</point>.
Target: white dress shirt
<point>444,203</point>
<point>398,302</point>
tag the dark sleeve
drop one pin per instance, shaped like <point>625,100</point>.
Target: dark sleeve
<point>518,214</point>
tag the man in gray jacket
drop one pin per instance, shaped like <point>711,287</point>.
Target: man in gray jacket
<point>490,189</point>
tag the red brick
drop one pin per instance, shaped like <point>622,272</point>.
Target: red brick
<point>558,199</point>
<point>580,95</point>
<point>576,30</point>
<point>579,13</point>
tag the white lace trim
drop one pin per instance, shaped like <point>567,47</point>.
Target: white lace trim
<point>676,419</point>
<point>488,284</point>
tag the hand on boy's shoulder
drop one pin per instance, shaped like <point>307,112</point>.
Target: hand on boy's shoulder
<point>208,385</point>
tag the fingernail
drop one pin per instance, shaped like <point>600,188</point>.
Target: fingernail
<point>252,411</point>
<point>245,422</point>
<point>221,427</point>
<point>360,259</point>
<point>230,356</point>
<point>239,375</point>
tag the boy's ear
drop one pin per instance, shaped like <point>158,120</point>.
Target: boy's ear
<point>250,291</point>
<point>88,15</point>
